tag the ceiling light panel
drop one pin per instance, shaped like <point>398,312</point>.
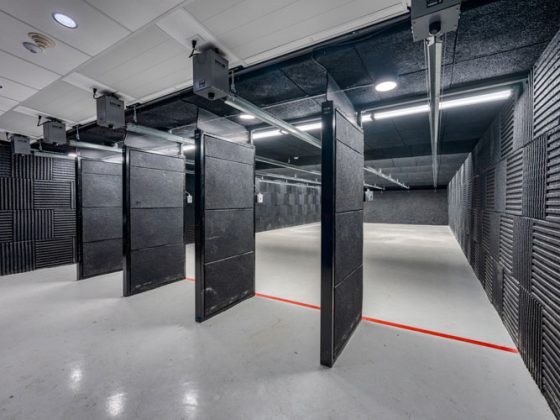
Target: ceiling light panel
<point>65,20</point>
<point>255,30</point>
<point>386,86</point>
<point>134,14</point>
<point>146,63</point>
<point>61,59</point>
<point>95,31</point>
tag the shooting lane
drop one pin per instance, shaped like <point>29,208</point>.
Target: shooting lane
<point>153,188</point>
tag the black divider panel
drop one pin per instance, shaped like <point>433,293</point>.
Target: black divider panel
<point>225,224</point>
<point>100,221</point>
<point>341,232</point>
<point>37,212</point>
<point>154,187</point>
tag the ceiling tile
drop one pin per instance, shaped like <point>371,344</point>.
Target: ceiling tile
<point>255,30</point>
<point>6,104</point>
<point>15,122</point>
<point>23,72</point>
<point>60,59</point>
<point>134,14</point>
<point>64,101</point>
<point>14,90</point>
<point>146,63</point>
<point>95,31</point>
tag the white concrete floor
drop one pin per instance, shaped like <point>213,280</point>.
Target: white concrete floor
<point>78,350</point>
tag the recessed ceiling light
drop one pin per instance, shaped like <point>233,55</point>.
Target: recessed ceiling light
<point>65,20</point>
<point>385,86</point>
<point>247,117</point>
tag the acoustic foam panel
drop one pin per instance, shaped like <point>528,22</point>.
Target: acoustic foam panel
<point>553,177</point>
<point>547,88</point>
<point>37,212</point>
<point>100,190</point>
<point>514,183</point>
<point>341,232</point>
<point>154,207</point>
<point>551,357</point>
<point>225,232</point>
<point>529,224</point>
<point>534,173</point>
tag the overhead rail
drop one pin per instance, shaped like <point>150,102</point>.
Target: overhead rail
<point>374,186</point>
<point>93,146</point>
<point>287,178</point>
<point>434,56</point>
<point>386,177</point>
<point>245,106</point>
<point>147,131</point>
<point>286,165</point>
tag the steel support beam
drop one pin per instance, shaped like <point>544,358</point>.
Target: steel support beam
<point>434,54</point>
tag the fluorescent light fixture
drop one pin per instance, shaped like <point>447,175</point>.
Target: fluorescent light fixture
<point>187,147</point>
<point>448,104</point>
<point>479,99</point>
<point>72,154</point>
<point>402,112</point>
<point>266,134</point>
<point>247,117</point>
<point>386,86</point>
<point>274,133</point>
<point>310,127</point>
<point>64,20</point>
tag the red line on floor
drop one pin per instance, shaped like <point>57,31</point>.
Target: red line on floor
<point>438,334</point>
<point>394,324</point>
<point>292,302</point>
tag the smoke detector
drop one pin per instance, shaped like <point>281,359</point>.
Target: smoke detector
<point>40,43</point>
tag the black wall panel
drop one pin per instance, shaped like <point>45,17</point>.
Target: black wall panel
<point>100,213</point>
<point>153,208</point>
<point>341,232</point>
<point>37,212</point>
<point>286,205</point>
<point>225,229</point>
<point>528,265</point>
<point>417,207</point>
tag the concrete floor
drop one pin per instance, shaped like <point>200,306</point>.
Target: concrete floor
<point>77,350</point>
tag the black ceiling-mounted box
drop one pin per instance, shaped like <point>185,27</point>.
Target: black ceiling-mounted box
<point>110,112</point>
<point>54,132</point>
<point>21,145</point>
<point>210,75</point>
<point>434,17</point>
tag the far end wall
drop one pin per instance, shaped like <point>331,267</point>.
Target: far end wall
<point>415,207</point>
